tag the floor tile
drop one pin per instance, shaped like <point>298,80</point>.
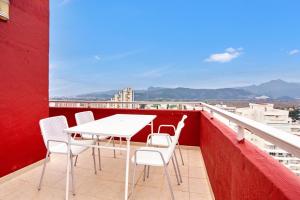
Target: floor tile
<point>108,184</point>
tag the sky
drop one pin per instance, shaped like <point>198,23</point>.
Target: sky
<point>98,45</point>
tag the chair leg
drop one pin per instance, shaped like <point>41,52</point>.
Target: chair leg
<point>144,173</point>
<point>180,153</point>
<point>133,184</point>
<point>121,143</point>
<point>99,157</point>
<point>76,160</point>
<point>148,171</point>
<point>72,175</point>
<point>176,161</point>
<point>43,172</point>
<point>169,182</point>
<point>93,149</point>
<point>114,146</point>
<point>175,171</point>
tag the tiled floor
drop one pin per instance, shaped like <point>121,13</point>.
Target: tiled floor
<point>109,183</point>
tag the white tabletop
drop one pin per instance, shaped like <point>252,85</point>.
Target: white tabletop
<point>119,125</point>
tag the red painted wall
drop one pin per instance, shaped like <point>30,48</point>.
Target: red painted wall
<point>24,49</point>
<point>189,135</point>
<point>240,171</point>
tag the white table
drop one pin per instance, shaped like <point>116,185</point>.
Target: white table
<point>119,125</point>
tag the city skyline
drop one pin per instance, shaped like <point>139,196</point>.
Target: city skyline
<point>113,45</point>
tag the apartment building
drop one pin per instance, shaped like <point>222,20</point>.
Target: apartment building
<point>123,96</point>
<point>267,114</point>
<point>227,108</point>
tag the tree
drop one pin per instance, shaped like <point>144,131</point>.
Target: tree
<point>295,114</point>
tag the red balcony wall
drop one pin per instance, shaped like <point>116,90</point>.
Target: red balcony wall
<point>239,171</point>
<point>24,49</point>
<point>189,135</point>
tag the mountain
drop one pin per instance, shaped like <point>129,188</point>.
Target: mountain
<point>192,94</point>
<point>158,93</point>
<point>278,89</point>
<point>275,89</point>
<point>105,95</point>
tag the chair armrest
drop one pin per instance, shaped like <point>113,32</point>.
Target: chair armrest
<point>59,141</point>
<point>150,150</point>
<point>166,125</point>
<point>167,136</point>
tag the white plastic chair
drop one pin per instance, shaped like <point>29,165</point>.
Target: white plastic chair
<point>85,117</point>
<point>159,157</point>
<point>56,141</point>
<point>157,140</point>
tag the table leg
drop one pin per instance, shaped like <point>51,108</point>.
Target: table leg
<point>68,167</point>
<point>148,168</point>
<point>152,127</point>
<point>127,167</point>
<point>120,145</point>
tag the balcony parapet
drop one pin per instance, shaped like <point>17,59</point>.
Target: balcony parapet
<point>239,170</point>
<point>286,141</point>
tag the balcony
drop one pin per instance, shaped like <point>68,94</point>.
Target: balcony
<point>218,165</point>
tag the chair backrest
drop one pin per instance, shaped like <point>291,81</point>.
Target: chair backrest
<point>184,118</point>
<point>178,130</point>
<point>181,122</point>
<point>52,128</point>
<point>175,139</point>
<point>84,117</point>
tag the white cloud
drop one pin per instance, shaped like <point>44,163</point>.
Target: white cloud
<point>154,73</point>
<point>229,54</point>
<point>97,57</point>
<point>117,56</point>
<point>294,52</point>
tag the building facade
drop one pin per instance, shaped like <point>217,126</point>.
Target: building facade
<point>267,114</point>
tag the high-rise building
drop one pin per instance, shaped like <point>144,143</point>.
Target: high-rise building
<point>123,96</point>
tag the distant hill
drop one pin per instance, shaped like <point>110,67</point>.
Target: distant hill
<point>158,93</point>
<point>277,89</point>
<point>98,95</point>
<point>192,94</point>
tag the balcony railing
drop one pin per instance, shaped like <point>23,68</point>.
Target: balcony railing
<point>282,139</point>
<point>124,104</point>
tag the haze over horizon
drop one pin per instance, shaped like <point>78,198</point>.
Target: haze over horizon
<point>289,89</point>
<point>208,44</point>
